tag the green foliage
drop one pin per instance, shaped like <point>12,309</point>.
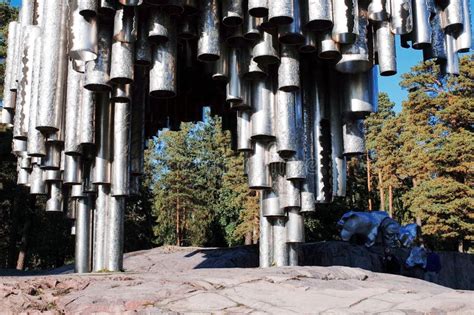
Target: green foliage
<point>199,189</point>
<point>7,14</point>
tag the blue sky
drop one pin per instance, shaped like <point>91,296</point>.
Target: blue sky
<point>406,58</point>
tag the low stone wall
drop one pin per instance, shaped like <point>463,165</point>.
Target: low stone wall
<point>457,268</point>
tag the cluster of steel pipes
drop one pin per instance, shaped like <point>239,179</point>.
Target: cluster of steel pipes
<point>88,80</point>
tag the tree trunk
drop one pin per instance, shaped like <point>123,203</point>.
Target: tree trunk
<point>178,232</point>
<point>382,192</point>
<point>20,262</point>
<point>369,182</point>
<point>390,201</point>
<point>248,238</point>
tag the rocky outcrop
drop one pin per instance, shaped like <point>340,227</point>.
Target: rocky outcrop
<point>178,280</point>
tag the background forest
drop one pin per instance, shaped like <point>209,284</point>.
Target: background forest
<point>418,167</point>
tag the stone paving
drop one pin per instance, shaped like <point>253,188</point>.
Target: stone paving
<point>169,280</point>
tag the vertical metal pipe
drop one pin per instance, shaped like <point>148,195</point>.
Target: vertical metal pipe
<point>280,246</point>
<point>36,140</point>
<point>9,96</point>
<point>353,134</point>
<point>125,24</point>
<point>163,82</point>
<point>232,12</point>
<point>221,66</point>
<point>360,91</point>
<point>285,124</point>
<point>346,23</point>
<point>25,84</point>
<point>386,51</point>
<point>289,69</point>
<point>73,111</point>
<point>98,70</point>
<point>115,229</point>
<point>295,226</point>
<point>82,254</point>
<point>52,160</point>
<point>52,57</point>
<point>88,8</point>
<point>464,39</point>
<point>87,119</point>
<point>137,142</point>
<point>357,57</point>
<point>265,51</point>
<point>142,45</point>
<point>281,12</point>
<point>159,26</point>
<point>258,8</point>
<point>421,24</point>
<point>104,125</point>
<point>235,86</point>
<point>36,180</point>
<point>244,131</point>
<point>121,69</point>
<point>379,10</point>
<point>401,17</point>
<point>83,35</point>
<point>258,176</point>
<point>262,101</point>
<point>208,43</point>
<point>293,254</point>
<point>121,150</point>
<point>251,27</point>
<point>317,14</point>
<point>292,34</point>
<point>100,224</point>
<point>266,238</point>
<point>55,201</point>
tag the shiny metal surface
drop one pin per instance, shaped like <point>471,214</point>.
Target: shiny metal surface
<point>208,42</point>
<point>163,81</point>
<point>121,150</point>
<point>258,175</point>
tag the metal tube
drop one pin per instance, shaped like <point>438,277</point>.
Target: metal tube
<point>100,224</point>
<point>379,10</point>
<point>281,12</point>
<point>328,48</point>
<point>295,226</point>
<point>252,70</point>
<point>208,42</point>
<point>52,160</point>
<point>258,8</point>
<point>357,57</point>
<point>310,44</point>
<point>452,59</point>
<point>292,34</point>
<point>421,35</point>
<point>258,175</point>
<point>163,82</point>
<point>137,142</point>
<point>265,239</point>
<point>87,8</point>
<point>53,64</point>
<point>9,96</point>
<point>25,84</point>
<point>104,125</point>
<point>386,51</point>
<point>265,52</point>
<point>251,27</point>
<point>107,7</point>
<point>82,254</point>
<point>401,17</point>
<point>187,28</point>
<point>317,14</point>
<point>354,140</point>
<point>293,254</point>
<point>280,247</point>
<point>131,2</point>
<point>437,50</point>
<point>7,117</point>
<point>295,170</point>
<point>360,92</point>
<point>114,238</point>
<point>36,140</point>
<point>221,66</point>
<point>271,204</point>
<point>346,23</point>
<point>452,17</point>
<point>98,70</point>
<point>232,12</point>
<point>285,124</point>
<point>289,69</point>
<point>83,35</point>
<point>55,201</point>
<point>464,39</point>
<point>121,93</point>
<point>244,131</point>
<point>73,112</point>
<point>36,180</point>
<point>262,103</point>
<point>121,150</point>
<point>72,170</point>
<point>142,45</point>
<point>121,70</point>
<point>159,26</point>
<point>87,119</point>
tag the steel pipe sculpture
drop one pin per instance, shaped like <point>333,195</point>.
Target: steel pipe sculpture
<point>87,81</point>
